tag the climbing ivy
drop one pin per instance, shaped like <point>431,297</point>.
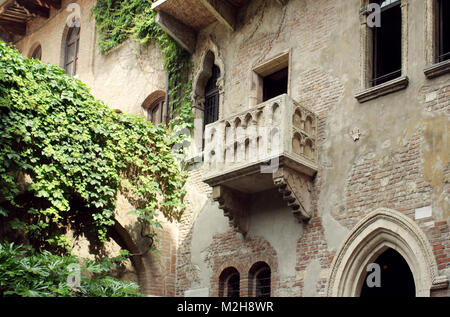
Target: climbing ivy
<point>119,20</point>
<point>64,154</point>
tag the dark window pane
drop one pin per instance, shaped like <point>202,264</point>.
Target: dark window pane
<point>233,286</point>
<point>275,84</point>
<point>387,45</point>
<point>37,53</point>
<point>71,51</point>
<point>156,111</point>
<point>263,284</point>
<point>444,30</point>
<point>212,97</point>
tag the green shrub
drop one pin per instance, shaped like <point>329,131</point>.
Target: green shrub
<point>27,273</point>
<point>79,155</point>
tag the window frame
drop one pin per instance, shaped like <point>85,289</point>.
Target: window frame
<point>212,93</point>
<point>440,32</point>
<point>366,91</point>
<point>224,283</point>
<point>157,99</point>
<point>255,271</point>
<point>266,68</point>
<point>434,67</point>
<point>376,80</point>
<point>37,49</point>
<point>75,41</point>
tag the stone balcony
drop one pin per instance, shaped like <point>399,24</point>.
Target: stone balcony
<point>272,145</point>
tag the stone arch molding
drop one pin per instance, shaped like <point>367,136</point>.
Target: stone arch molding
<point>210,55</point>
<point>378,231</point>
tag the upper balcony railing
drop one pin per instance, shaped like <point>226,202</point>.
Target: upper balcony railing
<point>277,131</point>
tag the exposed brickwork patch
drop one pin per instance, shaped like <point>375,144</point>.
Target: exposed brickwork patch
<point>230,250</point>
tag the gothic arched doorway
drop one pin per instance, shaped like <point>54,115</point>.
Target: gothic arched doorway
<point>379,231</point>
<point>395,277</point>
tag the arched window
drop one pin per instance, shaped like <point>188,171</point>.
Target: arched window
<point>71,50</point>
<point>155,112</point>
<point>155,107</point>
<point>229,283</point>
<point>212,97</point>
<point>37,53</point>
<point>260,280</point>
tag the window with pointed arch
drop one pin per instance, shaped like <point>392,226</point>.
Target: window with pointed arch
<point>229,283</point>
<point>71,48</point>
<point>260,280</point>
<point>212,97</point>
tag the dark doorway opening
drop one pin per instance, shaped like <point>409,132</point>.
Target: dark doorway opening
<point>275,84</point>
<point>396,277</point>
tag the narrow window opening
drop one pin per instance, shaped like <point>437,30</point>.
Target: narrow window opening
<point>263,283</point>
<point>71,51</point>
<point>229,283</point>
<point>260,280</point>
<point>444,30</point>
<point>275,84</point>
<point>233,285</point>
<point>387,43</point>
<point>37,53</point>
<point>212,97</point>
<point>156,111</point>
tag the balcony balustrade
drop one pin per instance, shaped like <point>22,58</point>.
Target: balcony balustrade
<point>270,145</point>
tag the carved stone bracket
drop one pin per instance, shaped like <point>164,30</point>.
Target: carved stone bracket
<point>296,190</point>
<point>235,206</point>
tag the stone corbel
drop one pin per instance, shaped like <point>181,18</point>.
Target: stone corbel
<point>235,206</point>
<point>296,189</point>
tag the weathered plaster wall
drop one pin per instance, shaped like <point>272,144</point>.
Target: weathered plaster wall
<point>123,78</point>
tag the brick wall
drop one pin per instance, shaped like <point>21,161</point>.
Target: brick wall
<point>230,250</point>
